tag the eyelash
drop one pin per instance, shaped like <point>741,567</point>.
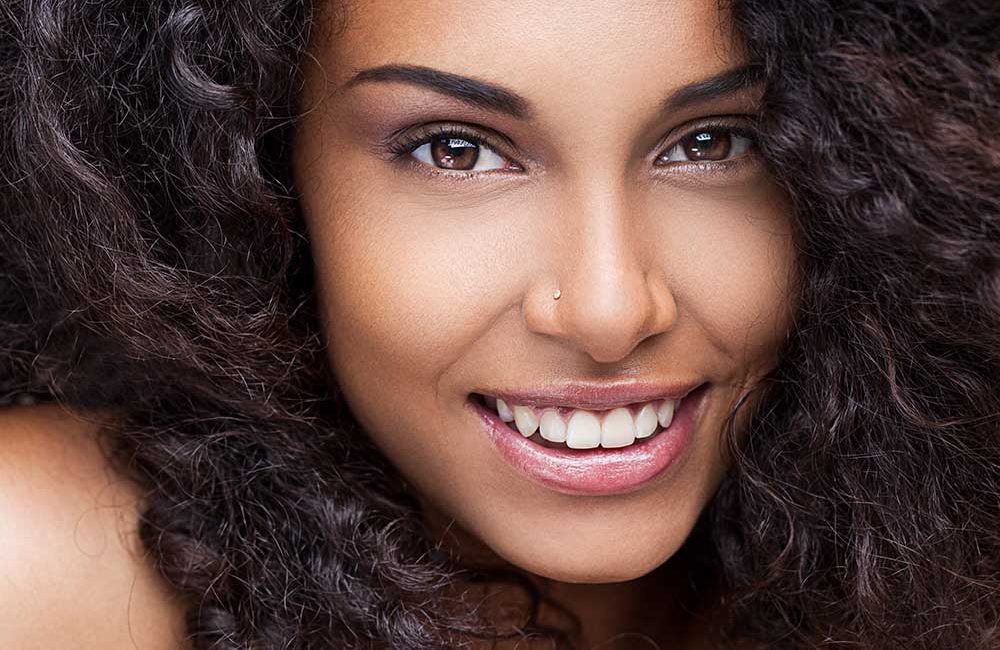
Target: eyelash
<point>406,145</point>
<point>410,143</point>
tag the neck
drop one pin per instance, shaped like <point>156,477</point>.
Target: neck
<point>648,611</point>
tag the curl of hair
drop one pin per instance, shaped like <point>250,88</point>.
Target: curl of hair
<point>864,510</point>
<point>153,265</point>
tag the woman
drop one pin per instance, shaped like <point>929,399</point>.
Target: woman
<point>636,324</point>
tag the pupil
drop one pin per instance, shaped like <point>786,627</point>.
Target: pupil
<point>708,145</point>
<point>454,153</point>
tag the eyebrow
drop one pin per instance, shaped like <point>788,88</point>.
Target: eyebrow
<point>496,98</point>
<point>728,82</point>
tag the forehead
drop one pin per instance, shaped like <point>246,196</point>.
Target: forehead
<point>596,51</point>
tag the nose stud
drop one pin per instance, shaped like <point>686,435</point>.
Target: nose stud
<point>556,294</point>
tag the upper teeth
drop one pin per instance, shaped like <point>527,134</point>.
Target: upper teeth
<point>585,429</point>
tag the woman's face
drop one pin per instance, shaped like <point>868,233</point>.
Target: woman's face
<point>594,147</point>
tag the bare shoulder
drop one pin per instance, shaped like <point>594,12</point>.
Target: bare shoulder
<point>73,573</point>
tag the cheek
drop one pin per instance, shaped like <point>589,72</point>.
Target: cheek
<point>405,287</point>
<point>732,267</point>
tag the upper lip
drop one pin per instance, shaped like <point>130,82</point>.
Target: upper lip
<point>595,396</point>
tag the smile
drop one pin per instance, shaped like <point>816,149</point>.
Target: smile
<point>573,428</point>
<point>610,456</point>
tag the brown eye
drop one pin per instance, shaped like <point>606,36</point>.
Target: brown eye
<point>708,145</point>
<point>454,153</point>
<point>459,154</point>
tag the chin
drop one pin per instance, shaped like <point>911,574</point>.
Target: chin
<point>592,572</point>
<point>591,564</point>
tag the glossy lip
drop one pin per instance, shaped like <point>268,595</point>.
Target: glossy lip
<point>593,397</point>
<point>598,471</point>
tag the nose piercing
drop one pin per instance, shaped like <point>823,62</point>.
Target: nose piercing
<point>556,294</point>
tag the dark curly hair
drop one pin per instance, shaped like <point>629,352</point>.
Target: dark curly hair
<point>152,265</point>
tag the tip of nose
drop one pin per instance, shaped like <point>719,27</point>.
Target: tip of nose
<point>614,348</point>
<point>604,319</point>
<point>610,333</point>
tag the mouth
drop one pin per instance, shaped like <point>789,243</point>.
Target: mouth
<point>591,452</point>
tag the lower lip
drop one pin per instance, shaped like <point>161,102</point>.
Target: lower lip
<point>596,471</point>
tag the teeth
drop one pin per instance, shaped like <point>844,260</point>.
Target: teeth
<point>618,429</point>
<point>645,421</point>
<point>526,420</point>
<point>583,431</point>
<point>504,411</point>
<point>587,429</point>
<point>552,427</point>
<point>665,414</point>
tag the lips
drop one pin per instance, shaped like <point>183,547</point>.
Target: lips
<point>598,397</point>
<point>595,471</point>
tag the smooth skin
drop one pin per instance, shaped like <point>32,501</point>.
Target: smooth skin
<point>436,279</point>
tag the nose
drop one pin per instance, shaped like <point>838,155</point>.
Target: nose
<point>613,294</point>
